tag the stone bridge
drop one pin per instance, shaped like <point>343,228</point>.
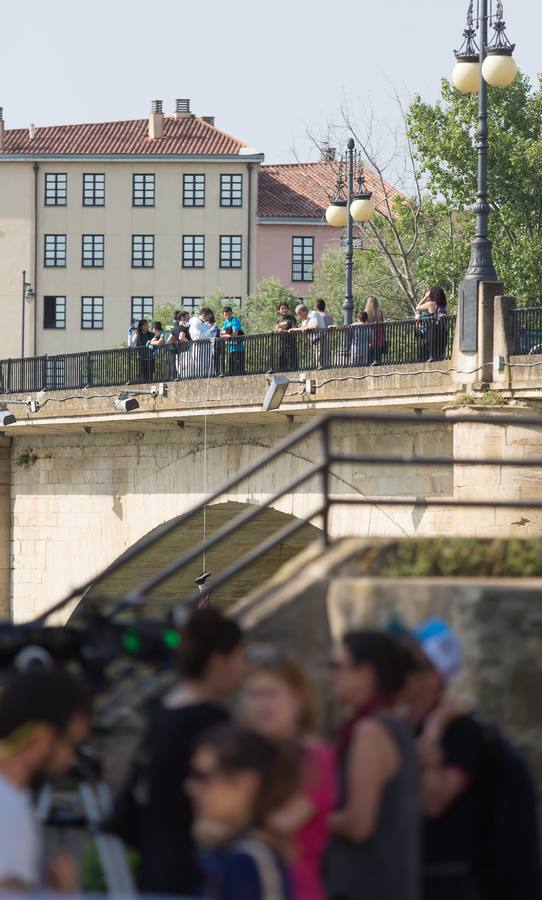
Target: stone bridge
<point>82,482</point>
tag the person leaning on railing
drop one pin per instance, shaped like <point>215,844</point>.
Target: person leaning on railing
<point>375,319</point>
<point>433,324</point>
<point>178,344</point>
<point>139,340</point>
<point>285,360</point>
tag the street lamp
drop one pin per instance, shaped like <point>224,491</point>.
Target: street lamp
<point>477,66</point>
<point>28,296</point>
<point>350,204</point>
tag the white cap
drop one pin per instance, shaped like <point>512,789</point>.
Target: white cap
<point>441,645</point>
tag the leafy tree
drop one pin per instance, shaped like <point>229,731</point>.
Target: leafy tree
<point>260,310</point>
<point>443,136</point>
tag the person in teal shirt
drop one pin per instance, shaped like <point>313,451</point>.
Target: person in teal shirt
<point>231,331</point>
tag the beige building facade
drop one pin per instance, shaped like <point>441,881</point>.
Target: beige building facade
<point>101,224</point>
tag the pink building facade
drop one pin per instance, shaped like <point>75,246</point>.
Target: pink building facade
<point>291,231</point>
<point>290,250</point>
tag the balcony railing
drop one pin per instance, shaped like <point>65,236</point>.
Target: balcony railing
<point>353,347</point>
<point>527,331</point>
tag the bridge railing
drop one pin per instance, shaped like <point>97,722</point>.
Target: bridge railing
<point>527,331</point>
<point>354,346</point>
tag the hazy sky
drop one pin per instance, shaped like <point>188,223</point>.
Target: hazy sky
<point>267,71</point>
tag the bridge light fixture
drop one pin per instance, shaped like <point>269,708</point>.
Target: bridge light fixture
<point>6,416</point>
<point>275,392</point>
<point>124,403</point>
<point>278,386</point>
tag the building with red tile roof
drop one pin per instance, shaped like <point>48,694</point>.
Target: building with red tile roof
<point>292,232</point>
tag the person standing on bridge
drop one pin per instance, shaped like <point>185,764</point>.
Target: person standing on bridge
<point>201,333</point>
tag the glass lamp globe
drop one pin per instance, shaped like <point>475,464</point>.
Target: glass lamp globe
<point>499,69</point>
<point>362,209</point>
<point>337,214</point>
<point>466,75</point>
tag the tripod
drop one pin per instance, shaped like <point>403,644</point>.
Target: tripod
<point>88,807</point>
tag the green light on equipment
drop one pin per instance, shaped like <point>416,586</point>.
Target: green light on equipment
<point>131,642</point>
<point>172,638</point>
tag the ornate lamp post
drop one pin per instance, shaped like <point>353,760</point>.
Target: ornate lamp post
<point>350,204</point>
<point>478,65</point>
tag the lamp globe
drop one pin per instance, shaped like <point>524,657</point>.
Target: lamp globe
<point>337,214</point>
<point>499,69</point>
<point>466,76</point>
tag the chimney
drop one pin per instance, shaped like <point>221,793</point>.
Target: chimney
<point>32,131</point>
<point>156,120</point>
<point>327,153</point>
<point>1,128</point>
<point>209,119</point>
<point>182,109</point>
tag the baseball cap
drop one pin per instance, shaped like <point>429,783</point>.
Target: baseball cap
<point>441,645</point>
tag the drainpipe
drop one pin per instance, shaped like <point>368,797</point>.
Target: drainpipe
<point>249,227</point>
<point>36,168</point>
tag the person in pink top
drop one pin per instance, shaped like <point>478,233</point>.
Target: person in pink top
<point>277,702</point>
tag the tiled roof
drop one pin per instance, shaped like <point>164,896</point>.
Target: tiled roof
<point>303,190</point>
<point>190,136</point>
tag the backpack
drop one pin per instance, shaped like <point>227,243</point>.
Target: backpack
<point>510,865</point>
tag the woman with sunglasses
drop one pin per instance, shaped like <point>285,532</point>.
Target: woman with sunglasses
<point>375,851</point>
<point>237,780</point>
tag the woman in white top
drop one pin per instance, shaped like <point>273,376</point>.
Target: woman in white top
<point>201,334</point>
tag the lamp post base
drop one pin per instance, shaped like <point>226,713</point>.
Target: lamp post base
<point>481,266</point>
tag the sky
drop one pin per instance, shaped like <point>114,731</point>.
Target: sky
<point>271,73</point>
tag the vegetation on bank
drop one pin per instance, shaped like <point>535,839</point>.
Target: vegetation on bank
<point>455,557</point>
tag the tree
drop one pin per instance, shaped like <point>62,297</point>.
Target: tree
<point>260,311</point>
<point>443,136</point>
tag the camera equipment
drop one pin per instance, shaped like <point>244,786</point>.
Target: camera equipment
<point>94,646</point>
<point>88,806</point>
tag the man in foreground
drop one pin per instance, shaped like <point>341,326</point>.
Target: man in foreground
<point>44,716</point>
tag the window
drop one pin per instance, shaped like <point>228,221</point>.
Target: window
<point>55,372</point>
<point>191,304</point>
<point>193,190</point>
<point>302,258</point>
<point>55,251</point>
<point>93,251</point>
<point>193,251</point>
<point>54,312</point>
<point>93,190</point>
<point>56,189</point>
<point>92,312</point>
<point>232,301</point>
<point>231,190</point>
<point>142,308</point>
<point>143,190</point>
<point>231,251</point>
<point>142,251</point>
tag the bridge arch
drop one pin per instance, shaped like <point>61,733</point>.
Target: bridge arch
<point>150,561</point>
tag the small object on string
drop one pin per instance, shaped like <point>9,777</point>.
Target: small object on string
<point>203,601</point>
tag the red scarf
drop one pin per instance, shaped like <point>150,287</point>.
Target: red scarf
<point>370,708</point>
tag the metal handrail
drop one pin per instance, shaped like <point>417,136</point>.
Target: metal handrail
<point>322,467</point>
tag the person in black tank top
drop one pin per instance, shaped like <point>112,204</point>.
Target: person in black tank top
<point>210,665</point>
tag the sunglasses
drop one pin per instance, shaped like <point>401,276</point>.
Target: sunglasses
<point>201,776</point>
<point>265,654</point>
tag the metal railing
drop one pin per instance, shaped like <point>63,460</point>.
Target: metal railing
<point>354,346</point>
<point>322,467</point>
<point>527,331</point>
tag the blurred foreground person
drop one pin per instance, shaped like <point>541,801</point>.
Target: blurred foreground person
<point>44,716</point>
<point>210,665</point>
<point>237,780</point>
<point>375,851</point>
<point>277,702</point>
<point>481,834</point>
